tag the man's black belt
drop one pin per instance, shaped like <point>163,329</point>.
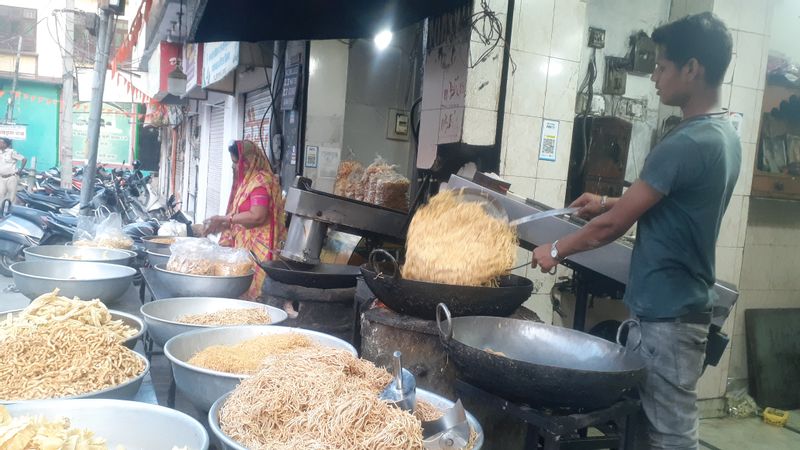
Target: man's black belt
<point>696,317</point>
<point>7,176</point>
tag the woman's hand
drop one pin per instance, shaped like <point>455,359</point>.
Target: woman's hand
<point>590,205</point>
<point>216,224</point>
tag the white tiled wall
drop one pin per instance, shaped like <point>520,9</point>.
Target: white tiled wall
<point>546,44</point>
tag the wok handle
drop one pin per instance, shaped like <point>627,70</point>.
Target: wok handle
<point>629,324</point>
<point>387,257</point>
<point>445,336</point>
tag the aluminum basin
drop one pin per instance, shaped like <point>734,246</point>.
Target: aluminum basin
<point>186,285</point>
<point>78,254</point>
<point>162,316</point>
<point>436,400</point>
<point>203,386</point>
<point>160,256</point>
<point>124,391</point>
<point>128,319</point>
<point>150,243</point>
<point>132,425</point>
<point>84,280</point>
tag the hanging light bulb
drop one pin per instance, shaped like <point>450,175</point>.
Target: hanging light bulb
<point>383,39</point>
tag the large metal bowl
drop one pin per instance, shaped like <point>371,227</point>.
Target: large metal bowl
<point>78,254</point>
<point>203,386</point>
<point>162,316</point>
<point>128,319</point>
<point>160,256</point>
<point>186,285</point>
<point>84,280</point>
<point>132,425</point>
<point>151,243</point>
<point>124,391</point>
<point>436,400</point>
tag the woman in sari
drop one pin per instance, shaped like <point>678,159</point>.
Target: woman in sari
<point>255,218</point>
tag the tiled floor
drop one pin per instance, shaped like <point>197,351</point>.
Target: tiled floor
<point>722,434</point>
<point>749,434</point>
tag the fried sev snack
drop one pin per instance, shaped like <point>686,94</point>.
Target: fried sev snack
<point>457,242</point>
<point>229,316</point>
<point>51,307</point>
<point>62,359</point>
<point>247,356</point>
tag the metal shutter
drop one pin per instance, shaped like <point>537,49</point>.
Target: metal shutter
<point>255,104</point>
<point>216,148</point>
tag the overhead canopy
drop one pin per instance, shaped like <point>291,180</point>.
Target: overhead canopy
<point>262,20</point>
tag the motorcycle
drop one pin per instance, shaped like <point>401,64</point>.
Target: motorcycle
<point>22,227</point>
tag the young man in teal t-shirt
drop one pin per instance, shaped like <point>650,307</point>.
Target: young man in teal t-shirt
<point>678,201</point>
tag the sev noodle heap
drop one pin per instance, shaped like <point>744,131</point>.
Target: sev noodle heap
<point>229,316</point>
<point>317,398</point>
<point>452,241</point>
<point>247,356</point>
<point>61,359</point>
<point>59,347</point>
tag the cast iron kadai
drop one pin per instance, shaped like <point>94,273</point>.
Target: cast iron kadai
<point>321,276</point>
<point>537,364</point>
<point>419,298</point>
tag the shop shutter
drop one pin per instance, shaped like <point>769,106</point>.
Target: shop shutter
<point>216,149</point>
<point>255,104</point>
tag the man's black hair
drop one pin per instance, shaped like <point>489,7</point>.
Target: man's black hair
<point>7,141</point>
<point>701,36</point>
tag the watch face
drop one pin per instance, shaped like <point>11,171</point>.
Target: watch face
<point>554,253</point>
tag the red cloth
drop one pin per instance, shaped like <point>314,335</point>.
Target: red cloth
<point>258,197</point>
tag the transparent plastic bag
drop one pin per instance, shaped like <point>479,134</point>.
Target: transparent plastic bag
<point>172,228</point>
<point>103,232</point>
<point>192,256</point>
<point>739,404</point>
<point>391,191</point>
<point>232,262</point>
<point>372,174</point>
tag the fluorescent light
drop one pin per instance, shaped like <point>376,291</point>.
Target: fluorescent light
<point>383,39</point>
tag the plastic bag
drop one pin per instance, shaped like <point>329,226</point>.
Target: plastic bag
<point>102,232</point>
<point>372,173</point>
<point>344,177</point>
<point>172,228</point>
<point>391,191</point>
<point>232,262</point>
<point>192,256</point>
<point>740,405</point>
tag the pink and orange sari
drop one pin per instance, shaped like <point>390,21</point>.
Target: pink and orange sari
<point>253,171</point>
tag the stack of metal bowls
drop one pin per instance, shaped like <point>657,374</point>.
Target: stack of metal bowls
<point>204,386</point>
<point>85,280</point>
<point>123,424</point>
<point>163,316</point>
<point>187,285</point>
<point>158,256</point>
<point>79,254</point>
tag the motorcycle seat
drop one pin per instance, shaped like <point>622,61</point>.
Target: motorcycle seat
<point>29,214</point>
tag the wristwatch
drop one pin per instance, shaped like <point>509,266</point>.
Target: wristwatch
<point>603,201</point>
<point>554,252</point>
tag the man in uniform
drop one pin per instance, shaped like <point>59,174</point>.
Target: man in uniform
<point>678,201</point>
<point>8,170</point>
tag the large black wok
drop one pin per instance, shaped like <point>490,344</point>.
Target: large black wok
<point>419,298</point>
<point>321,276</point>
<point>537,364</point>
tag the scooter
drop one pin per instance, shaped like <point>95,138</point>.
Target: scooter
<point>22,227</point>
